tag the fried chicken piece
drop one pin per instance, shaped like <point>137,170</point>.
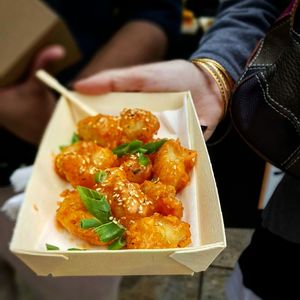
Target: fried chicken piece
<point>138,124</point>
<point>158,231</point>
<point>135,172</point>
<point>78,163</point>
<point>126,199</point>
<point>104,130</point>
<point>173,163</point>
<point>164,198</point>
<point>71,210</point>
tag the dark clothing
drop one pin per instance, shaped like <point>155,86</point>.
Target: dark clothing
<point>282,214</point>
<point>268,262</point>
<point>92,23</point>
<point>240,25</point>
<point>232,39</point>
<point>268,266</point>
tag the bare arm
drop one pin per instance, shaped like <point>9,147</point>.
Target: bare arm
<point>135,43</point>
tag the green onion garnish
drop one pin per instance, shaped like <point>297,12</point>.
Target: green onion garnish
<point>138,147</point>
<point>89,223</point>
<point>95,203</point>
<point>143,160</point>
<point>128,148</point>
<point>109,231</point>
<point>100,176</point>
<point>51,247</point>
<point>75,138</point>
<point>62,147</point>
<point>75,249</point>
<point>152,147</point>
<point>117,244</point>
<point>98,206</point>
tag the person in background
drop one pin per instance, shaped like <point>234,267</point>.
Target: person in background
<point>265,268</point>
<point>110,34</point>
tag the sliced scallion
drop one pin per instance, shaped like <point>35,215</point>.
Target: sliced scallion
<point>100,176</point>
<point>117,244</point>
<point>109,231</point>
<point>95,203</point>
<point>51,247</point>
<point>89,223</point>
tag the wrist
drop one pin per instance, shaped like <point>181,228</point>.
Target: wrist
<point>220,76</point>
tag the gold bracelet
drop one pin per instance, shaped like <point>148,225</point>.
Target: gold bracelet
<point>229,79</point>
<point>218,81</point>
<point>220,76</point>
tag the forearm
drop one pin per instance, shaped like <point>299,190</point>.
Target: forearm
<point>238,27</point>
<point>136,42</point>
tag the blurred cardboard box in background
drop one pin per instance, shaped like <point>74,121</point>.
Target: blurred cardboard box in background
<point>27,26</point>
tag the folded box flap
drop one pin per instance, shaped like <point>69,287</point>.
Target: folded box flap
<point>42,263</point>
<point>200,258</point>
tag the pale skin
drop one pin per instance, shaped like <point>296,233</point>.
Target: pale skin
<point>25,108</point>
<point>170,76</point>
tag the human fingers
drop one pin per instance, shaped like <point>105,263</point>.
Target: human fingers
<point>155,77</point>
<point>46,56</point>
<point>109,81</point>
<point>117,80</point>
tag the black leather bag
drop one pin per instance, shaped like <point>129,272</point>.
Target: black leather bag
<point>265,106</point>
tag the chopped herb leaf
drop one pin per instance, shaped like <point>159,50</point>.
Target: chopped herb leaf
<point>138,147</point>
<point>134,146</point>
<point>51,247</point>
<point>142,150</point>
<point>75,249</point>
<point>152,147</point>
<point>117,244</point>
<point>121,150</point>
<point>143,160</point>
<point>75,138</point>
<point>109,231</point>
<point>89,223</point>
<point>127,148</point>
<point>95,203</point>
<point>100,176</point>
<point>62,147</point>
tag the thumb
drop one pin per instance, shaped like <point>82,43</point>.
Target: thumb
<point>45,56</point>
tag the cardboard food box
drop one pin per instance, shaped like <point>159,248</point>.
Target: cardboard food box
<point>36,222</point>
<point>27,26</point>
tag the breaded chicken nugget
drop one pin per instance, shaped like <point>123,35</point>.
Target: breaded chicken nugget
<point>173,163</point>
<point>79,162</point>
<point>126,199</point>
<point>69,214</point>
<point>134,170</point>
<point>138,124</point>
<point>164,198</point>
<point>158,231</point>
<point>104,130</point>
